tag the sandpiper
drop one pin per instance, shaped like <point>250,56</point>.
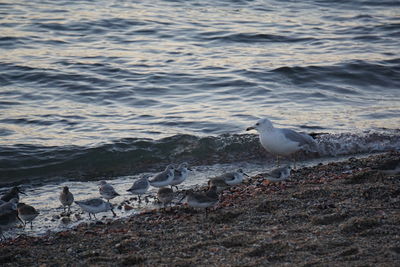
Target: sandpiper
<point>180,174</point>
<point>233,178</point>
<point>107,191</point>
<point>95,205</point>
<point>13,193</point>
<point>66,198</point>
<point>278,174</point>
<point>9,206</point>
<point>282,142</point>
<point>163,178</point>
<point>140,186</point>
<point>27,213</point>
<point>165,195</point>
<point>202,199</point>
<point>219,183</point>
<point>8,218</point>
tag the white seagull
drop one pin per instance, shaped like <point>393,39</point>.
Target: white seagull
<point>281,141</point>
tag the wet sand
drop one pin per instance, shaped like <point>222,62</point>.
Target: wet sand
<point>337,214</point>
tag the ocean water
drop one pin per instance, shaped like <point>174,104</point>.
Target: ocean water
<point>95,90</point>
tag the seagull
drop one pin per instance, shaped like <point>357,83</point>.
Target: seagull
<point>140,186</point>
<point>27,213</point>
<point>95,205</point>
<point>165,195</point>
<point>107,191</point>
<point>233,178</point>
<point>13,193</point>
<point>163,178</point>
<point>180,174</point>
<point>66,198</point>
<point>279,174</point>
<point>280,141</point>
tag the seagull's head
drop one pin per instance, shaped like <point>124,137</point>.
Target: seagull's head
<point>261,125</point>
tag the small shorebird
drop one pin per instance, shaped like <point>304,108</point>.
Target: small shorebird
<point>163,178</point>
<point>278,174</point>
<point>95,205</point>
<point>8,217</point>
<point>219,183</point>
<point>9,206</point>
<point>27,213</point>
<point>140,186</point>
<point>13,193</point>
<point>107,191</point>
<point>202,200</point>
<point>165,195</point>
<point>180,175</point>
<point>282,142</point>
<point>66,198</point>
<point>232,178</point>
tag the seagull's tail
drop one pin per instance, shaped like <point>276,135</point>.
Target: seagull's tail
<point>311,145</point>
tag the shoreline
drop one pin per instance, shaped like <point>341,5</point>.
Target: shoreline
<point>340,213</point>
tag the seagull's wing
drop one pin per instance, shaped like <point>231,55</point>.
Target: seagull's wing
<point>301,138</point>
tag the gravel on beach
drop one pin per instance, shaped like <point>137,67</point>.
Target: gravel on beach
<point>337,214</point>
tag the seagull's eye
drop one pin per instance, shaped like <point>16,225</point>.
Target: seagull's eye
<point>257,124</point>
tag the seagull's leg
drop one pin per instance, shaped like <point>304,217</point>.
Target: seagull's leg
<point>140,200</point>
<point>176,187</point>
<point>113,213</point>
<point>90,216</point>
<point>94,215</point>
<point>31,225</point>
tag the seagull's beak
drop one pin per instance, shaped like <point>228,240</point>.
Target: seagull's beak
<point>245,174</point>
<point>250,128</point>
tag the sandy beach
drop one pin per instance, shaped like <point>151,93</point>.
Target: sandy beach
<point>338,214</point>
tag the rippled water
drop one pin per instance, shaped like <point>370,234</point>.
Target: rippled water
<point>76,76</point>
<point>86,72</point>
<point>94,89</point>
